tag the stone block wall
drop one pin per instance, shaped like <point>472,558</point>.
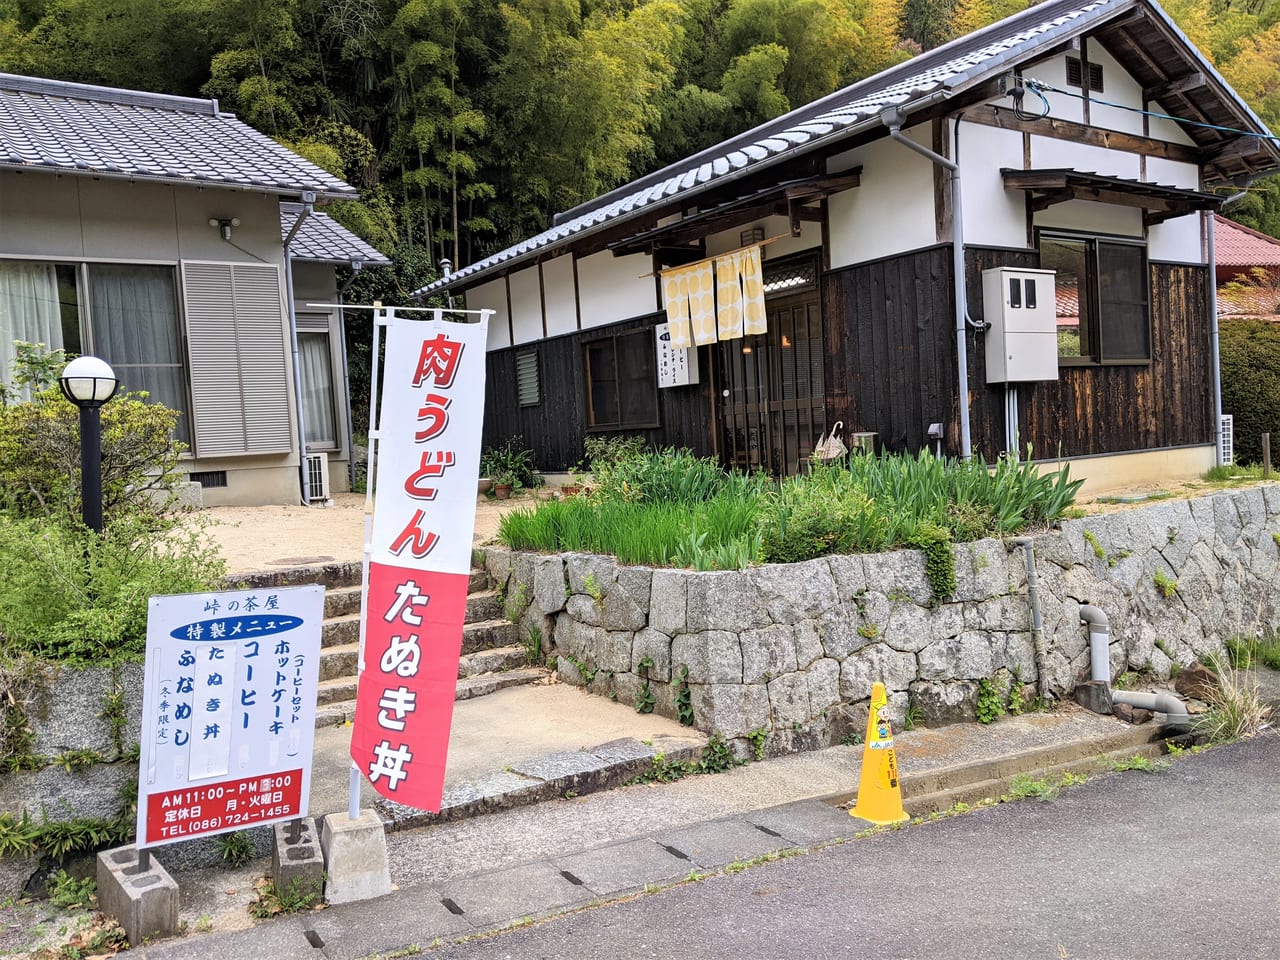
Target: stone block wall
<point>792,649</point>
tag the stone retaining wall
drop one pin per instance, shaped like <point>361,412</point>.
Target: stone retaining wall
<point>792,649</point>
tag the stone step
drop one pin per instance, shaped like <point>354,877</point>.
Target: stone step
<point>339,631</point>
<point>335,690</point>
<point>489,661</point>
<point>488,635</point>
<point>339,661</point>
<point>342,601</point>
<point>484,605</point>
<point>479,580</point>
<point>336,700</point>
<point>330,574</point>
<point>487,683</point>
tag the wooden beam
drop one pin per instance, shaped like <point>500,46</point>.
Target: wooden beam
<point>1173,88</point>
<point>1238,148</point>
<point>1047,200</point>
<point>1080,133</point>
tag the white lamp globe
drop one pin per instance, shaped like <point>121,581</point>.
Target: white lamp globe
<point>88,381</point>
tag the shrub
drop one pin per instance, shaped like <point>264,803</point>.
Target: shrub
<point>75,597</point>
<point>40,456</point>
<point>1250,351</point>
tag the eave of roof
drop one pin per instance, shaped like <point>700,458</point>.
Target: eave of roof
<point>75,129</point>
<point>321,239</point>
<point>912,86</point>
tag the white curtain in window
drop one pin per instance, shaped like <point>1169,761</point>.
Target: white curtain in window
<point>135,329</point>
<point>28,310</point>
<point>317,387</point>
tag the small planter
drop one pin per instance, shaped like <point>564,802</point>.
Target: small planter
<point>570,489</point>
<point>502,491</point>
<point>484,485</point>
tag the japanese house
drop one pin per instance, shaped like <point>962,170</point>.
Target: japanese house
<point>1091,140</point>
<point>147,229</point>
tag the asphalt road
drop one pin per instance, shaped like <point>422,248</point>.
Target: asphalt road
<point>1183,863</point>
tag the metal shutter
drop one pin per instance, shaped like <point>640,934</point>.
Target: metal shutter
<point>239,366</point>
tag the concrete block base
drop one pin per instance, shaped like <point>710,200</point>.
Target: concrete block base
<point>1094,695</point>
<point>297,862</point>
<point>144,901</point>
<point>355,857</point>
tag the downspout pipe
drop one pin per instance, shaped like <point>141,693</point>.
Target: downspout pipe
<point>307,207</point>
<point>1174,709</point>
<point>356,267</point>
<point>893,118</point>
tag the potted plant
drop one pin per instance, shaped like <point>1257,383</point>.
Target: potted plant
<point>505,482</point>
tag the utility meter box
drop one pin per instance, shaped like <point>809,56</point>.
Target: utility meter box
<point>1022,341</point>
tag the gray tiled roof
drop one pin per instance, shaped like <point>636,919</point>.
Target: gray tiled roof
<point>938,74</point>
<point>75,128</point>
<point>321,239</point>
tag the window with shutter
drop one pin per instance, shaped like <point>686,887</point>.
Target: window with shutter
<point>238,362</point>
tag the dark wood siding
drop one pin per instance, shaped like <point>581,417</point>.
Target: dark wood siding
<point>1107,409</point>
<point>890,348</point>
<point>555,428</point>
<point>891,364</point>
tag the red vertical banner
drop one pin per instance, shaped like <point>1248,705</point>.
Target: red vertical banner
<point>431,414</point>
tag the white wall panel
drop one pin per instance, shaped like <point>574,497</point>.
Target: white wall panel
<point>1171,173</point>
<point>1051,153</point>
<point>1061,106</point>
<point>526,305</point>
<point>1162,129</point>
<point>993,216</point>
<point>492,296</point>
<point>1118,87</point>
<point>557,288</point>
<point>1091,217</point>
<point>614,288</point>
<point>1176,241</point>
<point>892,211</point>
<point>810,237</point>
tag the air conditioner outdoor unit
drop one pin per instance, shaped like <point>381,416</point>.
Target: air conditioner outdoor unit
<point>318,476</point>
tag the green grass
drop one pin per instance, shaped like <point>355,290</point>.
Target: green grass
<point>669,508</point>
<point>1243,653</point>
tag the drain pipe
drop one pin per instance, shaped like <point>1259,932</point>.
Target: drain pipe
<point>308,201</point>
<point>1037,624</point>
<point>1174,709</point>
<point>893,118</point>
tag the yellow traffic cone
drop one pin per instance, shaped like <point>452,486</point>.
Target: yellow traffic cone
<point>879,794</point>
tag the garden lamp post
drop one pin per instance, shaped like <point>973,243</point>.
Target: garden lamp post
<point>89,382</point>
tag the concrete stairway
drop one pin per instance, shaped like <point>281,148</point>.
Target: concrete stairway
<point>492,656</point>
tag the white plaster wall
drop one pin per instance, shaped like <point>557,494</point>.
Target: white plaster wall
<point>1167,130</point>
<point>1176,241</point>
<point>557,287</point>
<point>1051,153</point>
<point>1061,106</point>
<point>810,237</point>
<point>1092,217</point>
<point>892,211</point>
<point>526,305</point>
<point>993,216</point>
<point>492,296</point>
<point>1172,173</point>
<point>1118,87</point>
<point>615,288</point>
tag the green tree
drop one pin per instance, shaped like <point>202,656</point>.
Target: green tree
<point>1250,351</point>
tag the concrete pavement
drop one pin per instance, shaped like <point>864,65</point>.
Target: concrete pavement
<point>462,878</point>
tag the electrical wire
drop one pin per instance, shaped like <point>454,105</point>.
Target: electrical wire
<point>1038,86</point>
<point>1017,94</point>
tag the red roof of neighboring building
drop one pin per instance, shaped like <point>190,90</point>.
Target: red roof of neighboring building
<point>1238,246</point>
